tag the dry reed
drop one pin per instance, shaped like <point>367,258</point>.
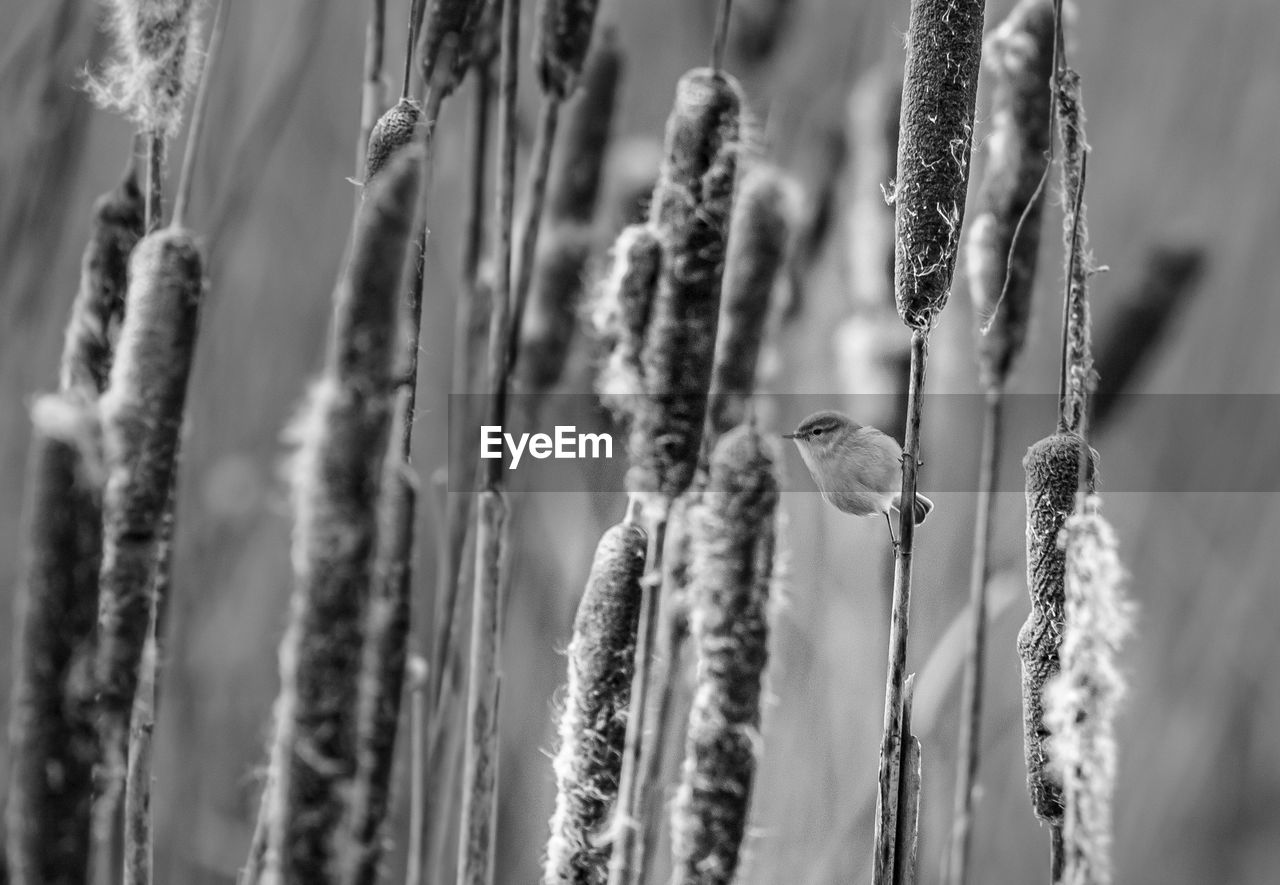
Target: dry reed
<point>593,722</point>
<point>1001,252</point>
<point>732,560</point>
<point>336,474</point>
<point>395,129</point>
<point>1082,703</point>
<point>449,42</point>
<point>621,314</point>
<point>944,42</point>
<point>154,67</point>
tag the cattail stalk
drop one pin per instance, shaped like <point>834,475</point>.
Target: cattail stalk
<point>733,559</point>
<point>137,797</point>
<point>417,675</point>
<point>594,720</point>
<point>343,439</point>
<point>142,412</point>
<point>690,214</point>
<point>1052,466</point>
<point>550,318</point>
<point>1081,704</point>
<point>480,750</point>
<point>1076,377</point>
<point>907,851</point>
<point>373,91</point>
<point>1001,254</point>
<point>944,41</point>
<point>562,42</point>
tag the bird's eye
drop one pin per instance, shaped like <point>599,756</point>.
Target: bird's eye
<point>817,431</point>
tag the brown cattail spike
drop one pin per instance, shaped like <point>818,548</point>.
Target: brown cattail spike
<point>584,143</point>
<point>449,42</point>
<point>1004,237</point>
<point>51,745</point>
<point>733,557</point>
<point>761,230</point>
<point>395,129</point>
<point>593,724</point>
<point>336,474</point>
<point>944,41</point>
<point>1053,472</point>
<point>691,210</point>
<point>155,64</point>
<point>1083,701</point>
<point>99,304</point>
<point>621,316</point>
<point>563,38</point>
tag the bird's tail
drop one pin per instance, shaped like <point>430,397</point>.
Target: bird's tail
<point>922,509</point>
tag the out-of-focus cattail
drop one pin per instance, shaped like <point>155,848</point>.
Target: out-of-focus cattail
<point>733,554</point>
<point>757,251</point>
<point>944,41</point>
<point>99,303</point>
<point>758,26</point>
<point>1169,277</point>
<point>1077,376</point>
<point>620,316</point>
<point>1004,237</point>
<point>342,441</point>
<point>562,41</point>
<point>1053,467</point>
<point>449,41</point>
<point>593,723</point>
<point>141,414</point>
<point>1082,702</point>
<point>155,63</point>
<point>52,744</point>
<point>691,210</point>
<point>394,130</point>
<point>548,324</point>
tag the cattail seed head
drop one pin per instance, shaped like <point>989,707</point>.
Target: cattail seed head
<point>394,129</point>
<point>104,277</point>
<point>1083,701</point>
<point>564,36</point>
<point>1053,473</point>
<point>757,251</point>
<point>547,327</point>
<point>584,140</point>
<point>155,63</point>
<point>336,473</point>
<point>593,723</point>
<point>691,209</point>
<point>449,34</point>
<point>620,316</point>
<point>142,412</point>
<point>1005,234</point>
<point>758,25</point>
<point>944,41</point>
<point>733,554</point>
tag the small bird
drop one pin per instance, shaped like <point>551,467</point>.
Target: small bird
<point>858,469</point>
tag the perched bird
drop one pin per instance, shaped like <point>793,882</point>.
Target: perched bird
<point>858,469</point>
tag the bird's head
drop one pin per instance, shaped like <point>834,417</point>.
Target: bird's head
<point>823,432</point>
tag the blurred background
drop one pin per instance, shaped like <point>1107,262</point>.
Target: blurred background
<point>1183,103</point>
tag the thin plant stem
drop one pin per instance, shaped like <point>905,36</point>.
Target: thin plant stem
<point>627,860</point>
<point>155,181</point>
<point>891,738</point>
<point>480,750</point>
<point>957,865</point>
<point>417,781</point>
<point>371,96</point>
<point>539,169</point>
<point>721,39</point>
<point>199,113</point>
<point>137,797</point>
<point>415,25</point>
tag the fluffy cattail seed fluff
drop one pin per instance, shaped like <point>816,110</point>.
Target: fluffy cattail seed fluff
<point>593,724</point>
<point>336,472</point>
<point>620,315</point>
<point>1052,466</point>
<point>733,553</point>
<point>1005,234</point>
<point>104,277</point>
<point>944,41</point>
<point>448,41</point>
<point>394,129</point>
<point>564,36</point>
<point>757,250</point>
<point>691,209</point>
<point>155,62</point>
<point>1082,702</point>
<point>142,413</point>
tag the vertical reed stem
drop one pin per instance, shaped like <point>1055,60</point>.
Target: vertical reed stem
<point>891,739</point>
<point>137,796</point>
<point>957,862</point>
<point>155,180</point>
<point>372,97</point>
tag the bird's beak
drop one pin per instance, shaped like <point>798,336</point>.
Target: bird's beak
<point>790,436</point>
